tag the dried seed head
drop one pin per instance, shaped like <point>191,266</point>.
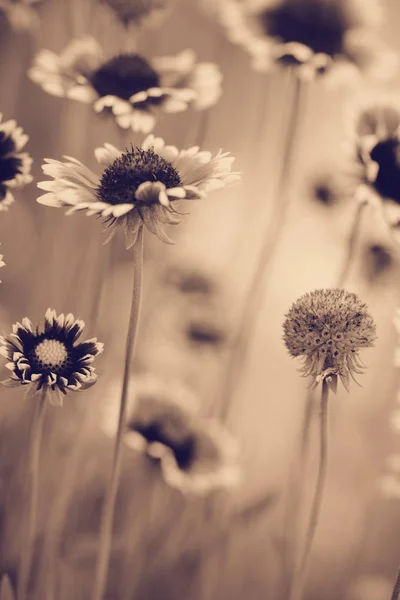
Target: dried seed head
<point>327,328</point>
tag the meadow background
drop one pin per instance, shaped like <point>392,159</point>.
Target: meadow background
<point>167,545</point>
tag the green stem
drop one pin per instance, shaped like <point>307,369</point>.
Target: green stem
<point>34,455</point>
<point>300,578</point>
<point>396,590</point>
<point>271,238</point>
<point>107,518</point>
<point>352,243</point>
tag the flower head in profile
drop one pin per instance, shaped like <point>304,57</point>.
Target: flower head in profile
<point>377,151</point>
<point>15,166</point>
<point>130,86</point>
<point>20,13</point>
<point>51,358</point>
<point>2,263</point>
<point>137,187</point>
<point>327,328</point>
<point>195,456</point>
<point>139,12</point>
<point>311,35</point>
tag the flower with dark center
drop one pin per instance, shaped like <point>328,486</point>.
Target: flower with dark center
<point>124,76</point>
<point>133,88</point>
<point>20,14</point>
<point>139,12</point>
<point>313,35</point>
<point>196,456</point>
<point>377,172</point>
<point>50,358</point>
<point>137,187</point>
<point>327,328</point>
<point>15,166</point>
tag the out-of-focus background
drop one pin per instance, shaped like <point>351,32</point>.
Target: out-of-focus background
<point>168,545</point>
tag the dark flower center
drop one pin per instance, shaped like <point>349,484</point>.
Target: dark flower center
<point>184,451</point>
<point>387,155</point>
<point>133,10</point>
<point>318,24</point>
<point>10,165</point>
<point>124,76</point>
<point>121,179</point>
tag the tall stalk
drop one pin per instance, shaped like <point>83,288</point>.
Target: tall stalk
<point>352,243</point>
<point>28,546</point>
<point>301,573</point>
<point>396,589</point>
<point>106,525</point>
<point>271,238</point>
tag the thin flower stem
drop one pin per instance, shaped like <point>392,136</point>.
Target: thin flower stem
<point>106,525</point>
<point>294,495</point>
<point>352,243</point>
<point>58,512</point>
<point>34,456</point>
<point>300,577</point>
<point>396,590</point>
<point>271,239</point>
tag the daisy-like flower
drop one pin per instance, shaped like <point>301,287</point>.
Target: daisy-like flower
<point>196,456</point>
<point>377,169</point>
<point>313,35</point>
<point>15,165</point>
<point>139,186</point>
<point>139,12</point>
<point>327,328</point>
<point>20,13</point>
<point>129,85</point>
<point>51,357</point>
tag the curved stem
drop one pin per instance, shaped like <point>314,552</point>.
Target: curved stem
<point>271,239</point>
<point>396,590</point>
<point>298,585</point>
<point>352,243</point>
<point>107,518</point>
<point>34,455</point>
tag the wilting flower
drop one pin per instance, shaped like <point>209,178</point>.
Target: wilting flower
<point>139,12</point>
<point>314,35</point>
<point>377,169</point>
<point>20,13</point>
<point>195,455</point>
<point>15,165</point>
<point>129,85</point>
<point>50,358</point>
<point>139,186</point>
<point>327,328</point>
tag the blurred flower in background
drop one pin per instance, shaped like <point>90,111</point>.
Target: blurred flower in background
<point>314,35</point>
<point>378,155</point>
<point>51,358</point>
<point>15,166</point>
<point>327,328</point>
<point>20,13</point>
<point>129,85</point>
<point>139,12</point>
<point>196,456</point>
<point>138,186</point>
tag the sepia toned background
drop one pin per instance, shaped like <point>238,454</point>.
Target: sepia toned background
<point>167,545</point>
